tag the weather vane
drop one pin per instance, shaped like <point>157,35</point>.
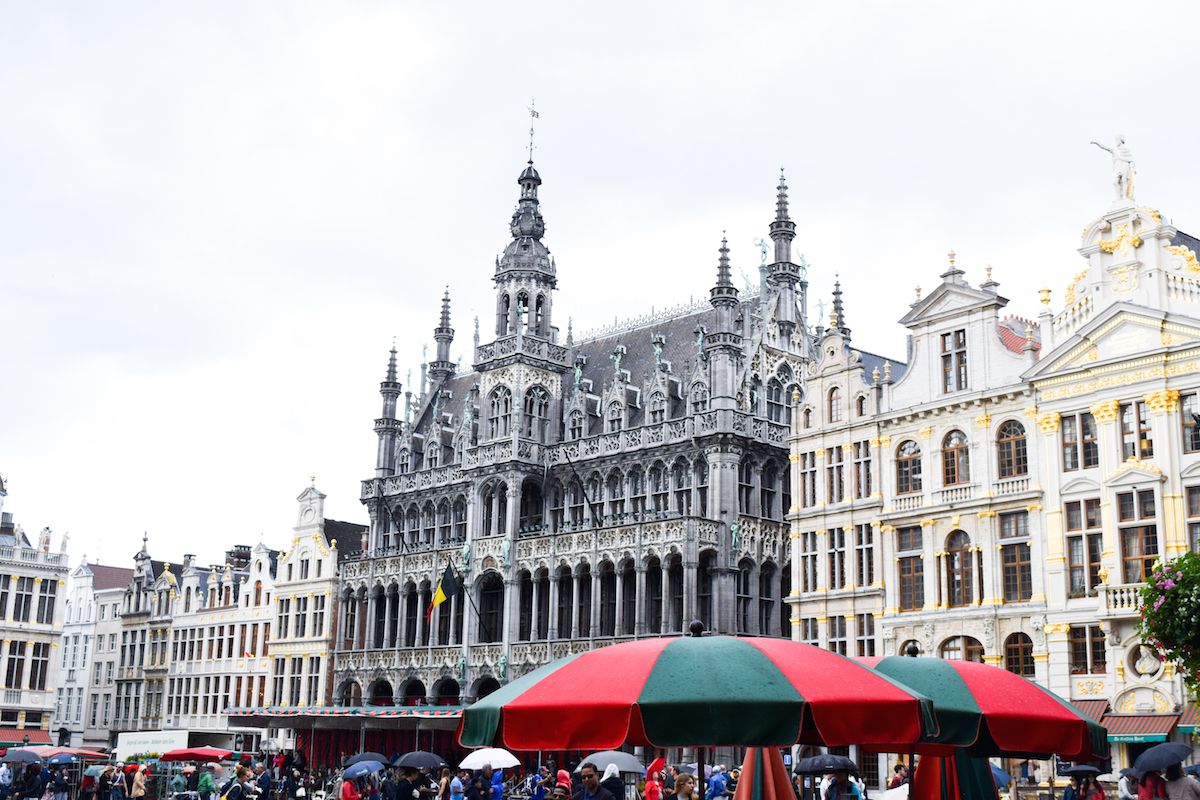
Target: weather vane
<point>533,114</point>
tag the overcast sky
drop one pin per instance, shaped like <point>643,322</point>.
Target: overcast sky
<point>214,217</point>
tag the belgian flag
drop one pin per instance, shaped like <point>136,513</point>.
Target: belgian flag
<point>447,587</point>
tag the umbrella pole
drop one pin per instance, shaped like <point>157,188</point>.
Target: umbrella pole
<point>701,789</point>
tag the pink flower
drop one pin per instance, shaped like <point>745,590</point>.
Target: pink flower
<point>1168,584</point>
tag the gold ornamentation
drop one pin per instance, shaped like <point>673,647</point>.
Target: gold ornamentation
<point>1133,462</point>
<point>926,432</point>
<point>885,441</point>
<point>888,528</point>
<point>1122,244</point>
<point>1190,265</point>
<point>1057,627</point>
<point>1106,411</point>
<point>1048,422</point>
<point>794,458</point>
<point>819,452</point>
<point>1161,703</point>
<point>986,513</point>
<point>1102,574</point>
<point>1163,401</point>
<point>1090,687</point>
<point>1044,296</point>
<point>1167,339</point>
<point>928,522</point>
<point>1069,296</point>
<point>1033,507</point>
<point>1031,412</point>
<point>955,521</point>
<point>983,420</point>
<point>1125,279</point>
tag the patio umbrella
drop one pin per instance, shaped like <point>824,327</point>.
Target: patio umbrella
<point>1003,779</point>
<point>196,754</point>
<point>358,759</point>
<point>764,777</point>
<point>697,691</point>
<point>62,759</point>
<point>1161,756</point>
<point>825,763</point>
<point>362,768</point>
<point>1081,770</point>
<point>624,761</point>
<point>420,759</point>
<point>17,755</point>
<point>992,712</point>
<point>497,757</point>
<point>95,769</point>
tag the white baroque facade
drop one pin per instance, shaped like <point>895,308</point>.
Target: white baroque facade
<point>1022,477</point>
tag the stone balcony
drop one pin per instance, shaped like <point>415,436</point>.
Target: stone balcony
<point>1119,600</point>
<point>32,555</point>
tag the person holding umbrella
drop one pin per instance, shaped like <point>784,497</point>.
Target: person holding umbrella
<point>205,785</point>
<point>1181,786</point>
<point>1072,790</point>
<point>61,784</point>
<point>592,790</point>
<point>841,786</point>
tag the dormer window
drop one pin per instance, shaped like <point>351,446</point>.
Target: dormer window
<point>954,361</point>
<point>658,407</point>
<point>616,417</point>
<point>575,426</point>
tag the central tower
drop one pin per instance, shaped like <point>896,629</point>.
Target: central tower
<point>525,273</point>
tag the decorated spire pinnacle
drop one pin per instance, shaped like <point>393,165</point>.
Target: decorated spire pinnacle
<point>391,369</point>
<point>838,318</point>
<point>445,321</point>
<point>724,277</point>
<point>781,199</point>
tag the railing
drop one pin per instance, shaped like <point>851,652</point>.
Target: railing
<point>12,696</point>
<point>524,344</point>
<point>1120,600</point>
<point>908,502</point>
<point>1072,317</point>
<point>1012,486</point>
<point>1181,287</point>
<point>31,555</point>
<point>954,494</point>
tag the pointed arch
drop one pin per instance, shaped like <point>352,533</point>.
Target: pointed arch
<point>499,412</point>
<point>535,413</point>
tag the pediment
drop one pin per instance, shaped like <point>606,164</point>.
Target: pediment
<point>1121,331</point>
<point>948,299</point>
<point>1190,471</point>
<point>1134,472</point>
<point>1081,486</point>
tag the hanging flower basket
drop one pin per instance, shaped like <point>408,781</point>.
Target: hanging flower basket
<point>1170,615</point>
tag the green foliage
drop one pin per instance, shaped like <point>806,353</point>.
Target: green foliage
<point>1171,615</point>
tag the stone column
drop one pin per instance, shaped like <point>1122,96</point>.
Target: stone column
<point>664,590</point>
<point>552,624</point>
<point>639,613</point>
<point>619,611</point>
<point>575,632</point>
<point>1166,427</point>
<point>1108,442</point>
<point>595,620</point>
<point>454,601</point>
<point>689,592</point>
<point>535,610</point>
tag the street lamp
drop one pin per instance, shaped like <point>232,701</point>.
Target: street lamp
<point>25,740</point>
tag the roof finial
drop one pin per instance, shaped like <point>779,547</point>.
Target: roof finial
<point>838,317</point>
<point>723,274</point>
<point>953,274</point>
<point>445,321</point>
<point>312,479</point>
<point>533,114</point>
<point>781,199</point>
<point>391,368</point>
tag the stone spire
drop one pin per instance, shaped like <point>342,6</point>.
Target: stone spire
<point>723,344</point>
<point>838,319</point>
<point>442,367</point>
<point>783,230</point>
<point>784,275</point>
<point>525,272</point>
<point>387,427</point>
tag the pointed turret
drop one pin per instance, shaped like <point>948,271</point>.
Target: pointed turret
<point>723,345</point>
<point>387,427</point>
<point>442,367</point>
<point>521,308</point>
<point>837,319</point>
<point>784,275</point>
<point>783,230</point>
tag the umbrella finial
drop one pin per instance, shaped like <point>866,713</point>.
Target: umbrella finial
<point>912,650</point>
<point>696,628</point>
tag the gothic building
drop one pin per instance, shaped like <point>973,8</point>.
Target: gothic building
<point>586,490</point>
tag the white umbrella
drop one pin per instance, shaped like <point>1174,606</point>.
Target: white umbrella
<point>624,761</point>
<point>496,757</point>
<point>899,793</point>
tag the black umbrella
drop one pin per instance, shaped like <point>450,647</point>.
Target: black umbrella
<point>420,759</point>
<point>1130,772</point>
<point>1161,756</point>
<point>1080,770</point>
<point>20,756</point>
<point>825,763</point>
<point>352,760</point>
<point>1194,769</point>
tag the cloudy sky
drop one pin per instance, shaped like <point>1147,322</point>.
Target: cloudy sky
<point>214,217</point>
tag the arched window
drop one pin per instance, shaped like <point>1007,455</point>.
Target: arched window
<point>806,418</point>
<point>444,522</point>
<point>433,447</point>
<point>412,525</point>
<point>768,491</point>
<point>699,398</point>
<point>658,486</point>
<point>785,609</point>
<point>833,408</point>
<point>410,614</point>
<point>637,491</point>
<point>583,603</point>
<point>616,416</point>
<point>575,425</point>
<point>906,644</point>
<point>756,395</point>
<point>556,506</point>
<point>258,593</point>
<point>187,599</point>
<point>575,499</point>
<point>654,595</point>
<point>961,648</point>
<point>745,485</point>
<point>595,496</point>
<point>701,468</point>
<point>428,521</point>
<point>524,606</point>
<point>499,412</point>
<point>860,405</point>
<point>681,481</point>
<point>541,623</point>
<point>491,608</point>
<point>908,467</point>
<point>539,316</point>
<point>1011,454</point>
<point>745,579</point>
<point>658,407</point>
<point>402,461</point>
<point>776,402</point>
<point>614,488</point>
<point>1018,654</point>
<point>673,596</point>
<point>522,313</point>
<point>536,412</point>
<point>628,599</point>
<point>502,316</point>
<point>959,570</point>
<point>608,599</point>
<point>956,459</point>
<point>704,587</point>
<point>532,504</point>
<point>460,519</point>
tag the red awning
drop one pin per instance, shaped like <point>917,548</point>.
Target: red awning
<point>1189,720</point>
<point>1092,709</point>
<point>16,736</point>
<point>1139,727</point>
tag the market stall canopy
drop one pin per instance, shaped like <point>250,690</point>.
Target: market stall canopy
<point>697,690</point>
<point>210,754</point>
<point>764,777</point>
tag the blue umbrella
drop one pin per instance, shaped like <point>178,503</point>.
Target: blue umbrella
<point>362,768</point>
<point>1002,778</point>
<point>62,759</point>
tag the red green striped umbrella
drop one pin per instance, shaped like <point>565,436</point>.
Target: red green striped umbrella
<point>994,712</point>
<point>764,777</point>
<point>697,691</point>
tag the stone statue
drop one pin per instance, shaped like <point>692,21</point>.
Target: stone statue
<point>616,357</point>
<point>437,407</point>
<point>1122,167</point>
<point>505,549</point>
<point>462,670</point>
<point>1147,663</point>
<point>464,558</point>
<point>803,267</point>
<point>762,249</point>
<point>503,668</point>
<point>735,538</point>
<point>820,311</point>
<point>658,351</point>
<point>700,341</point>
<point>578,375</point>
